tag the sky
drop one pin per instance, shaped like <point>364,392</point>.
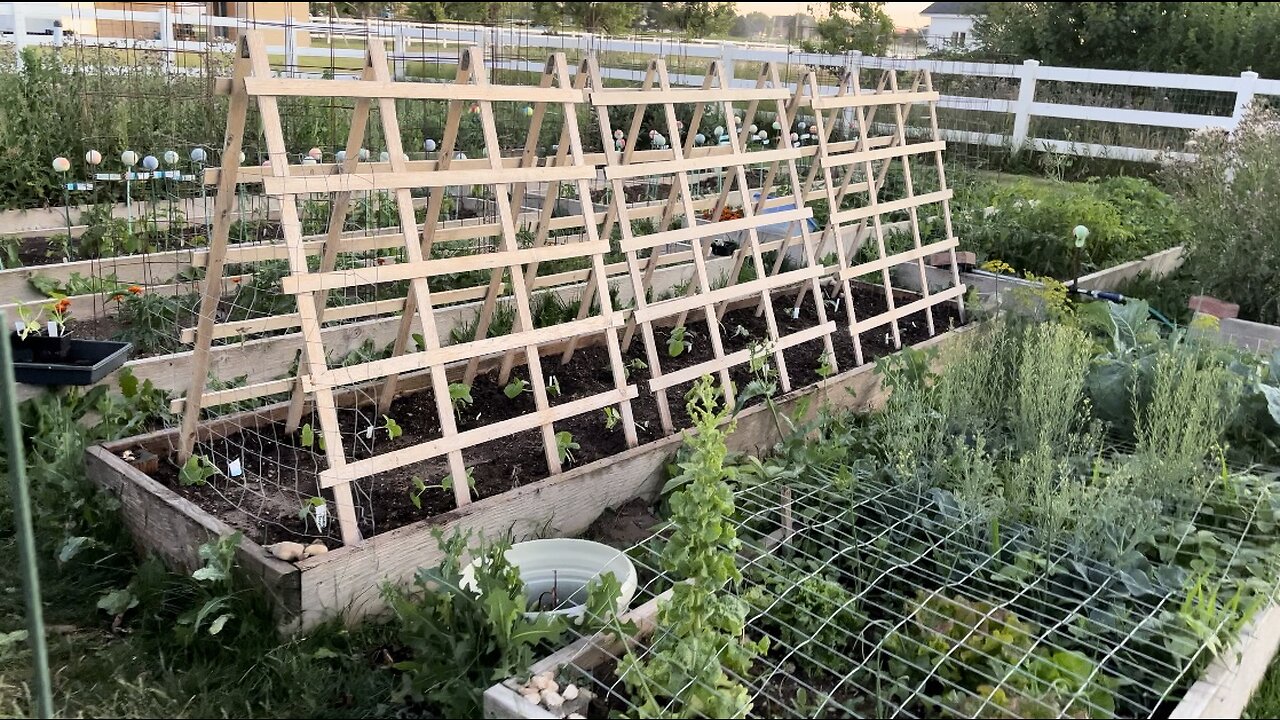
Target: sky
<point>904,14</point>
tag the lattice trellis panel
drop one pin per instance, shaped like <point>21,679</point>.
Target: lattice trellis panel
<point>317,381</point>
<point>701,297</point>
<point>854,175</point>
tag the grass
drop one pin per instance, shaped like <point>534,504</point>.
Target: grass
<point>138,670</point>
<point>1266,699</point>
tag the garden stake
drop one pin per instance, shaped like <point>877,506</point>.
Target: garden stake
<point>26,535</point>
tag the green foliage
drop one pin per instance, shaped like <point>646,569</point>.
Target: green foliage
<point>565,446</point>
<point>817,615</point>
<point>967,644</point>
<point>863,26</point>
<point>197,470</point>
<point>515,388</point>
<point>153,321</point>
<point>462,639</point>
<point>1233,186</point>
<point>1029,225</point>
<point>612,418</point>
<point>678,341</point>
<point>1184,37</point>
<point>460,396</point>
<point>685,671</point>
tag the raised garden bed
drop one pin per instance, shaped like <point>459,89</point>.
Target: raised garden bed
<point>347,579</point>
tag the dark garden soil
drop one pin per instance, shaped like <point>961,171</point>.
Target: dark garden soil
<point>279,475</point>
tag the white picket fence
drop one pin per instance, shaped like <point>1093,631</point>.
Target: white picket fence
<point>431,43</point>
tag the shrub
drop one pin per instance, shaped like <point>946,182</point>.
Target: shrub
<point>1233,187</point>
<point>1029,224</point>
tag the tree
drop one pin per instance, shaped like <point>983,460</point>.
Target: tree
<point>862,26</point>
<point>354,9</point>
<point>752,25</point>
<point>609,17</point>
<point>470,12</point>
<point>702,19</point>
<point>1214,38</point>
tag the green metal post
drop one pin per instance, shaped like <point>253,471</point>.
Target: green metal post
<point>22,523</point>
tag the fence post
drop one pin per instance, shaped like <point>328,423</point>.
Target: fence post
<point>57,33</point>
<point>290,48</point>
<point>1022,109</point>
<point>19,29</point>
<point>401,51</point>
<point>726,57</point>
<point>853,65</point>
<point>168,46</point>
<point>1244,96</point>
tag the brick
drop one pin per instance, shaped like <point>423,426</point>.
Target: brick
<point>1213,306</point>
<point>943,259</point>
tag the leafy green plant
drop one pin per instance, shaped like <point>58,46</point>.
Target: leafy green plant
<point>685,671</point>
<point>217,590</point>
<point>420,486</point>
<point>553,387</point>
<point>967,644</point>
<point>462,639</point>
<point>197,470</point>
<point>308,437</point>
<point>460,396</point>
<point>825,366</point>
<point>679,341</point>
<point>515,387</point>
<point>634,365</point>
<point>611,418</point>
<point>565,446</point>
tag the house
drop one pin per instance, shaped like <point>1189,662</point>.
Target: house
<point>137,20</point>
<point>794,28</point>
<point>951,24</point>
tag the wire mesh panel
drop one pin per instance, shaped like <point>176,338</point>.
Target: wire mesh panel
<point>313,284</point>
<point>882,599</point>
<point>698,232</point>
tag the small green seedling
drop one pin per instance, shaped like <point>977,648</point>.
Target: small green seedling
<point>553,387</point>
<point>679,342</point>
<point>309,437</point>
<point>420,487</point>
<point>611,418</point>
<point>739,331</point>
<point>565,446</point>
<point>196,471</point>
<point>825,367</point>
<point>515,387</point>
<point>392,427</point>
<point>419,342</point>
<point>309,507</point>
<point>634,365</point>
<point>460,396</point>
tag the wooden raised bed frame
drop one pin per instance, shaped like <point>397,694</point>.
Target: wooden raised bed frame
<point>346,581</point>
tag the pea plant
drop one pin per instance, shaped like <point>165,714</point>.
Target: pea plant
<point>565,446</point>
<point>420,486</point>
<point>196,471</point>
<point>515,388</point>
<point>611,418</point>
<point>680,341</point>
<point>460,396</point>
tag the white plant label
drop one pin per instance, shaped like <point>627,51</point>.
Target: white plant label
<point>795,313</point>
<point>19,326</point>
<point>368,432</point>
<point>322,516</point>
<point>235,468</point>
<point>53,328</point>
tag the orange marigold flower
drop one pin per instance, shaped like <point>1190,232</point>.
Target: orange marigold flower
<point>63,305</point>
<point>135,289</point>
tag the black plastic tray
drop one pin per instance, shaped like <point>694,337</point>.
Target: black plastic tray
<point>87,362</point>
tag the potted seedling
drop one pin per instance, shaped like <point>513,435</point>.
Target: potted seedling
<point>54,358</point>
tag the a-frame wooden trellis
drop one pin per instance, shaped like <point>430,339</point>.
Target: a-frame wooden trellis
<point>316,380</point>
<point>677,164</point>
<point>869,159</point>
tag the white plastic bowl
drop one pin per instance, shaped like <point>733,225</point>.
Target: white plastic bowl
<point>569,565</point>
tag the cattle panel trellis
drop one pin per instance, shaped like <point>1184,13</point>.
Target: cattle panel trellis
<point>329,276</point>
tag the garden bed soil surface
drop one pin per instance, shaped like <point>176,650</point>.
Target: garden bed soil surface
<point>280,475</point>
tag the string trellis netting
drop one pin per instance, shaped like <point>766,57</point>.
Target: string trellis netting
<point>884,599</point>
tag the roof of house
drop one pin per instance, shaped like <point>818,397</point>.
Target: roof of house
<point>956,8</point>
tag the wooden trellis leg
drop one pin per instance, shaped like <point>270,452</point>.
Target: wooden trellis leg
<point>614,214</point>
<point>418,287</point>
<point>524,318</point>
<point>832,228</point>
<point>549,202</point>
<point>497,276</point>
<point>699,258</point>
<point>339,207</point>
<point>223,204</point>
<point>942,185</point>
<point>753,236</point>
<point>913,211</point>
<point>313,356</point>
<point>873,203</point>
<point>431,220</point>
